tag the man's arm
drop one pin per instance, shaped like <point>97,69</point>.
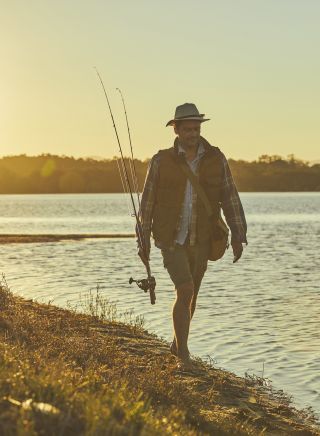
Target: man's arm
<point>233,211</point>
<point>146,209</point>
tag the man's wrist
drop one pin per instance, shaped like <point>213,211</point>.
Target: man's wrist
<point>238,239</point>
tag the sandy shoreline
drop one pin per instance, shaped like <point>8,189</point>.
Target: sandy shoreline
<point>25,238</point>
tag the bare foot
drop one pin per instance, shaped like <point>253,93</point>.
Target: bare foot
<point>174,351</point>
<point>185,364</point>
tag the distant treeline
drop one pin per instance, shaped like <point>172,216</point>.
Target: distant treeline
<point>61,174</point>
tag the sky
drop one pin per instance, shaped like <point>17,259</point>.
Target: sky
<point>252,66</point>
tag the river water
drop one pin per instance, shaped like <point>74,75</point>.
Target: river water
<point>259,316</point>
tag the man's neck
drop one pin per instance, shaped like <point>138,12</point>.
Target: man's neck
<point>191,152</point>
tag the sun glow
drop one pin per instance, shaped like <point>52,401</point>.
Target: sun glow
<point>259,101</point>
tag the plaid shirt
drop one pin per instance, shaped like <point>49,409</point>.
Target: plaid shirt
<point>187,219</point>
<point>229,201</point>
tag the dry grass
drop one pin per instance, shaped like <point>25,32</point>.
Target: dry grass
<point>67,373</point>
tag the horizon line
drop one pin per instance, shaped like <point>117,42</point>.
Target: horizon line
<point>101,158</point>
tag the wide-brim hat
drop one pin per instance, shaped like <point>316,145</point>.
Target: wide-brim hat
<point>187,111</point>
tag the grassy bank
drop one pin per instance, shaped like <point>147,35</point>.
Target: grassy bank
<point>65,373</point>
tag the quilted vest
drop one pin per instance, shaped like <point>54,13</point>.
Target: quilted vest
<point>171,189</point>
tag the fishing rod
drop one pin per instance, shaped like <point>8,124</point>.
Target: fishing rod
<point>149,283</point>
<point>131,162</point>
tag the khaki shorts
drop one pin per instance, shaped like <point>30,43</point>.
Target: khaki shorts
<point>186,263</point>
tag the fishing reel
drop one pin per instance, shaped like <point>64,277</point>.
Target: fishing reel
<point>146,285</point>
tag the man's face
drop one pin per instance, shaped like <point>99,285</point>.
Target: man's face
<point>188,132</point>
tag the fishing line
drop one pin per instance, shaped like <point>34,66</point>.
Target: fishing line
<point>124,188</point>
<point>124,168</point>
<point>131,161</point>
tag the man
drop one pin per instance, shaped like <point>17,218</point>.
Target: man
<point>172,210</point>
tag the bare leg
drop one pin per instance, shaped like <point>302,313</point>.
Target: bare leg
<point>182,317</point>
<point>197,258</point>
<point>194,298</point>
<point>192,306</point>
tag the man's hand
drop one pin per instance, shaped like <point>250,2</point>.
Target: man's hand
<point>237,250</point>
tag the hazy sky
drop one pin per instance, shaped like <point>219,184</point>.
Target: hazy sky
<point>252,66</point>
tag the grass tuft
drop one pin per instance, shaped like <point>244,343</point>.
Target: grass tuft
<point>101,308</point>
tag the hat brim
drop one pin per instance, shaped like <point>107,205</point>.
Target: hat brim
<point>172,122</point>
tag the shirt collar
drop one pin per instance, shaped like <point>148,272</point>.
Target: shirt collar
<point>200,152</point>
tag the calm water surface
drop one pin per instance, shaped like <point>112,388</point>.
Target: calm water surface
<point>262,312</point>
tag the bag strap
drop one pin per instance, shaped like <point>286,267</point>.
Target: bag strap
<point>195,183</point>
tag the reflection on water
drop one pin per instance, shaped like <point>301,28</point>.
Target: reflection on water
<point>263,311</point>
